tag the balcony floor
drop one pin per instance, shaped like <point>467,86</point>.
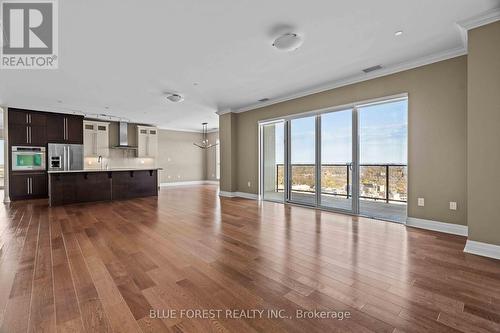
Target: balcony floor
<point>377,209</point>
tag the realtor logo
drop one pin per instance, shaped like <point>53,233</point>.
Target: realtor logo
<point>29,35</point>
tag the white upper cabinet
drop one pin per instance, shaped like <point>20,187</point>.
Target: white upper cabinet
<point>147,141</point>
<point>95,138</point>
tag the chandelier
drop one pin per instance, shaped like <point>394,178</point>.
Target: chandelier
<point>204,143</point>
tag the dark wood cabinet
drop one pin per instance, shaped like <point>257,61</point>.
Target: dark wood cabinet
<point>26,117</point>
<point>27,128</point>
<point>19,187</point>
<point>38,135</point>
<point>18,135</point>
<point>39,186</point>
<point>28,185</point>
<point>134,184</point>
<point>74,125</point>
<point>55,128</point>
<point>63,128</point>
<point>75,187</point>
<point>37,128</point>
<point>67,188</point>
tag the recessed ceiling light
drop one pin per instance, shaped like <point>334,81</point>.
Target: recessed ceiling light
<point>175,98</point>
<point>288,42</point>
<point>398,33</point>
<point>195,83</point>
<point>265,99</point>
<point>59,101</point>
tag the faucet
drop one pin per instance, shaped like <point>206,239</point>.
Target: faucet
<point>99,160</point>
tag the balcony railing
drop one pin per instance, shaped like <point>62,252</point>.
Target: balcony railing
<point>378,182</point>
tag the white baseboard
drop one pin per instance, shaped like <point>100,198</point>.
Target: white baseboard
<point>245,195</point>
<point>192,182</point>
<point>449,228</point>
<point>482,249</point>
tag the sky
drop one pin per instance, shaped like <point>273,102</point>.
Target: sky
<point>382,134</point>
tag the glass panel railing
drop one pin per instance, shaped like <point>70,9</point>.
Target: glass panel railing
<point>378,182</point>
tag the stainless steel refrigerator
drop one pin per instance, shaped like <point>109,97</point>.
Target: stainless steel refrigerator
<point>65,157</point>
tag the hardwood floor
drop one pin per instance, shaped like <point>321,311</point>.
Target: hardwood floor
<point>103,267</point>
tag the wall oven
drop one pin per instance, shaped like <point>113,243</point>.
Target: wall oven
<point>28,158</point>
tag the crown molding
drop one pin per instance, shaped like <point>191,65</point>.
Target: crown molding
<point>223,111</point>
<point>396,68</point>
<point>187,130</point>
<point>481,19</point>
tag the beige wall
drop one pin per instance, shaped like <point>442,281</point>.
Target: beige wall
<point>210,173</point>
<point>180,159</point>
<point>437,134</point>
<point>484,134</point>
<point>228,142</point>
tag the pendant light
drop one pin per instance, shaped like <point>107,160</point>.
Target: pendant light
<point>204,143</point>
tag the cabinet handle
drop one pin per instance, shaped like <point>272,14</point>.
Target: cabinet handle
<point>27,133</point>
<point>31,185</point>
<point>31,138</point>
<point>28,184</point>
<point>64,128</point>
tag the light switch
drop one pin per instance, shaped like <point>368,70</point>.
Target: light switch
<point>421,202</point>
<point>453,205</point>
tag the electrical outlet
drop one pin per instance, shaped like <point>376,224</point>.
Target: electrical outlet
<point>249,184</point>
<point>421,202</point>
<point>453,205</point>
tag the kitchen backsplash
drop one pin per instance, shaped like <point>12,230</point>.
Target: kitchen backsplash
<point>120,158</point>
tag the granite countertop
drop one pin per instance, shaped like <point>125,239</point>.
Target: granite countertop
<point>102,170</point>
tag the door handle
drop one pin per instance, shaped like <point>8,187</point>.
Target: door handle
<point>69,159</point>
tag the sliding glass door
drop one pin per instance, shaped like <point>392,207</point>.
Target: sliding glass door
<point>383,160</point>
<point>336,160</point>
<point>302,157</point>
<point>352,159</point>
<point>273,161</point>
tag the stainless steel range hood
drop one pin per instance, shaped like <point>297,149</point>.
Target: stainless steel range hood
<point>123,137</point>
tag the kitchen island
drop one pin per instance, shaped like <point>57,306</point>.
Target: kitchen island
<point>76,186</point>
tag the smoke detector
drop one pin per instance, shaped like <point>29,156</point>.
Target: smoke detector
<point>288,42</point>
<point>175,98</point>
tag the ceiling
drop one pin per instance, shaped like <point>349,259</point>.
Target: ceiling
<point>120,57</point>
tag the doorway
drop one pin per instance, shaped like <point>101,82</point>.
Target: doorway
<point>351,159</point>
